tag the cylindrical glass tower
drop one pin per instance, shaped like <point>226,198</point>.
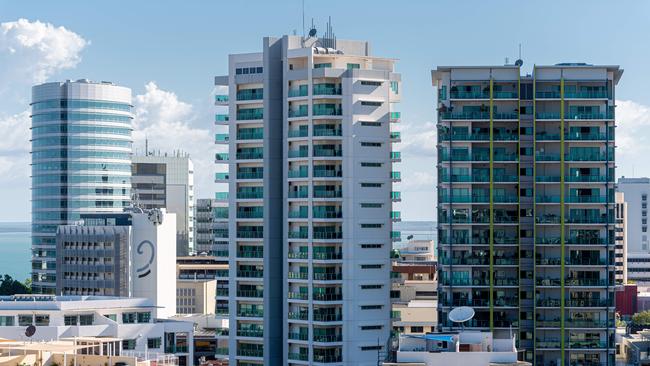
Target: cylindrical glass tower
<point>81,161</point>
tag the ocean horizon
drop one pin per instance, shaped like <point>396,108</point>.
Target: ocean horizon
<point>15,255</point>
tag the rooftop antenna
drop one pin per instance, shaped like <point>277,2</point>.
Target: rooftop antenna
<point>146,146</point>
<point>303,19</point>
<point>519,61</point>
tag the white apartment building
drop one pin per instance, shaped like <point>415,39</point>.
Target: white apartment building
<point>167,181</point>
<point>134,320</point>
<point>309,168</point>
<point>636,191</point>
<point>81,161</point>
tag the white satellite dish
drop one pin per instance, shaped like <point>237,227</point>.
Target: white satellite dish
<point>461,314</point>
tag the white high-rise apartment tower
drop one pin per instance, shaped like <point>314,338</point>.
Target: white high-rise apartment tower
<point>81,162</point>
<point>310,179</point>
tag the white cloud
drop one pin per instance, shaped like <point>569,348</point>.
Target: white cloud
<point>30,52</point>
<point>14,147</point>
<point>166,122</point>
<point>632,138</point>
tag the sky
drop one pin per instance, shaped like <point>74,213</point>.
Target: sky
<point>169,51</point>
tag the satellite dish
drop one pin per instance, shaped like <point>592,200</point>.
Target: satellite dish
<point>312,32</point>
<point>519,62</point>
<point>461,314</point>
<point>30,331</point>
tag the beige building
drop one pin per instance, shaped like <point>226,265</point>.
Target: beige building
<point>414,297</point>
<point>197,280</point>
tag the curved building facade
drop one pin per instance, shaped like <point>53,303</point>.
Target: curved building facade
<point>81,161</point>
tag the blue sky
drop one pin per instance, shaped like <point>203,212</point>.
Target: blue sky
<point>169,51</point>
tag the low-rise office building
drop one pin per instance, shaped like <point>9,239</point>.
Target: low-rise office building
<point>132,320</point>
<point>201,285</point>
<point>120,254</point>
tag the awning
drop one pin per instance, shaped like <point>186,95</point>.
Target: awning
<point>433,337</point>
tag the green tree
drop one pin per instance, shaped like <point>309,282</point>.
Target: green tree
<point>642,318</point>
<point>9,286</point>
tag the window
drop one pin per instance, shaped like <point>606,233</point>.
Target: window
<point>42,319</point>
<point>371,246</point>
<point>372,307</point>
<point>371,185</point>
<point>394,85</point>
<point>86,319</point>
<point>371,165</point>
<point>128,344</point>
<point>417,329</point>
<point>371,104</point>
<point>371,327</point>
<point>70,320</point>
<point>353,66</point>
<point>6,321</point>
<point>154,342</point>
<point>322,65</point>
<point>371,287</point>
<point>260,70</point>
<point>371,348</point>
<point>238,71</point>
<point>371,266</point>
<point>144,317</point>
<point>370,124</point>
<point>370,83</point>
<point>372,226</point>
<point>371,144</point>
<point>129,318</point>
<point>372,205</point>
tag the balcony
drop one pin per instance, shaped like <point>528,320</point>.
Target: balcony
<point>250,114</point>
<point>252,193</point>
<point>296,113</point>
<point>327,317</point>
<point>302,172</point>
<point>395,117</point>
<point>327,193</point>
<point>250,293</point>
<point>298,356</point>
<point>297,275</point>
<point>395,136</point>
<point>548,94</point>
<point>221,119</point>
<point>297,295</point>
<point>327,235</point>
<point>250,174</point>
<point>297,255</point>
<point>395,156</point>
<point>220,177</point>
<point>327,297</point>
<point>396,196</point>
<point>257,333</point>
<point>476,94</point>
<point>250,274</point>
<point>250,234</point>
<point>221,138</point>
<point>250,134</point>
<point>298,153</point>
<point>250,94</point>
<point>303,234</point>
<point>327,212</point>
<point>327,110</point>
<point>395,176</point>
<point>505,95</point>
<point>250,313</point>
<point>547,115</point>
<point>327,89</point>
<point>589,157</point>
<point>254,213</point>
<point>326,255</point>
<point>320,151</point>
<point>465,115</point>
<point>301,91</point>
<point>250,153</point>
<point>221,157</point>
<point>250,352</point>
<point>327,338</point>
<point>298,315</point>
<point>298,336</point>
<point>325,130</point>
<point>298,132</point>
<point>303,192</point>
<point>327,276</point>
<point>321,358</point>
<point>220,99</point>
<point>327,171</point>
<point>251,253</point>
<point>596,94</point>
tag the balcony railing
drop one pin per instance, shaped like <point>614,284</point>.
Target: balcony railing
<point>250,114</point>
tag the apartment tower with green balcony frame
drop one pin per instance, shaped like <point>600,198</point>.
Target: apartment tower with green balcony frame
<point>525,206</point>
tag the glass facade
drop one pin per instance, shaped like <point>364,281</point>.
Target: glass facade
<point>81,162</point>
